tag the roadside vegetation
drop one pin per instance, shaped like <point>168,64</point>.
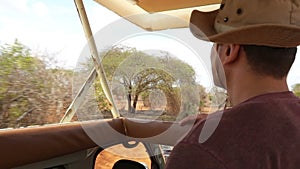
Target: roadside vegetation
<point>296,89</point>
<point>33,91</point>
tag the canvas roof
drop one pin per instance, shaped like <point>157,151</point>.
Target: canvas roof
<point>155,15</point>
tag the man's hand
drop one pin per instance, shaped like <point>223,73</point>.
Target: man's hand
<point>193,119</point>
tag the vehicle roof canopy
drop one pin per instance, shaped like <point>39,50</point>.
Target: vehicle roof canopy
<point>153,15</point>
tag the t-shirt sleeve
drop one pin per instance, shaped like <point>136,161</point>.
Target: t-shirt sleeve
<point>191,156</point>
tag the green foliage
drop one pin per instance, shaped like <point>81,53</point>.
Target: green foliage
<point>112,58</point>
<point>28,90</point>
<point>217,97</point>
<point>296,89</point>
<point>17,71</point>
<point>140,74</point>
<point>134,76</point>
<point>183,72</point>
<point>103,103</point>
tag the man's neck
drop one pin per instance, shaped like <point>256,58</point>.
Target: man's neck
<point>245,88</point>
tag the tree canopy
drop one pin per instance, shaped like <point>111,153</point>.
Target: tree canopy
<point>135,74</point>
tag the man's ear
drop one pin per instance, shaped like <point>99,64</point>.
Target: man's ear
<point>231,53</point>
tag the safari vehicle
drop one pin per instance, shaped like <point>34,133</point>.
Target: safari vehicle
<point>74,145</point>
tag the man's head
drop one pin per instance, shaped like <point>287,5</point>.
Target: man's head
<point>260,35</point>
<point>263,61</point>
<point>270,61</point>
<point>248,70</point>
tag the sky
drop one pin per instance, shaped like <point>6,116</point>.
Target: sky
<point>49,26</point>
<point>53,27</point>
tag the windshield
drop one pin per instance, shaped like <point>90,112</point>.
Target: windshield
<point>45,62</point>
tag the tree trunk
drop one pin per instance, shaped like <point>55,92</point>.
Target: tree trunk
<point>135,102</point>
<point>173,104</point>
<point>129,100</point>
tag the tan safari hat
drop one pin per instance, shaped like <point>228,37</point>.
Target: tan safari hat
<point>250,22</point>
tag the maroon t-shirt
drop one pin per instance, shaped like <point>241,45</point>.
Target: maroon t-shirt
<point>260,133</point>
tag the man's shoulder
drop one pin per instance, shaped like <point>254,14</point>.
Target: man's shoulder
<point>257,129</point>
<point>258,116</point>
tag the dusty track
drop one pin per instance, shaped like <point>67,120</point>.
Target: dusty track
<point>107,158</point>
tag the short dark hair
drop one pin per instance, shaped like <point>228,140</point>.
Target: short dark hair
<point>271,61</point>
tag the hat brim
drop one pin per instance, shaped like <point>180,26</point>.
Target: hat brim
<point>202,27</point>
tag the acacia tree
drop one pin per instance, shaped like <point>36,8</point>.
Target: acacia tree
<point>141,73</point>
<point>188,99</point>
<point>149,80</point>
<point>137,74</point>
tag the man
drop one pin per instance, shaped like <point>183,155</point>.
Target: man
<point>254,47</point>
